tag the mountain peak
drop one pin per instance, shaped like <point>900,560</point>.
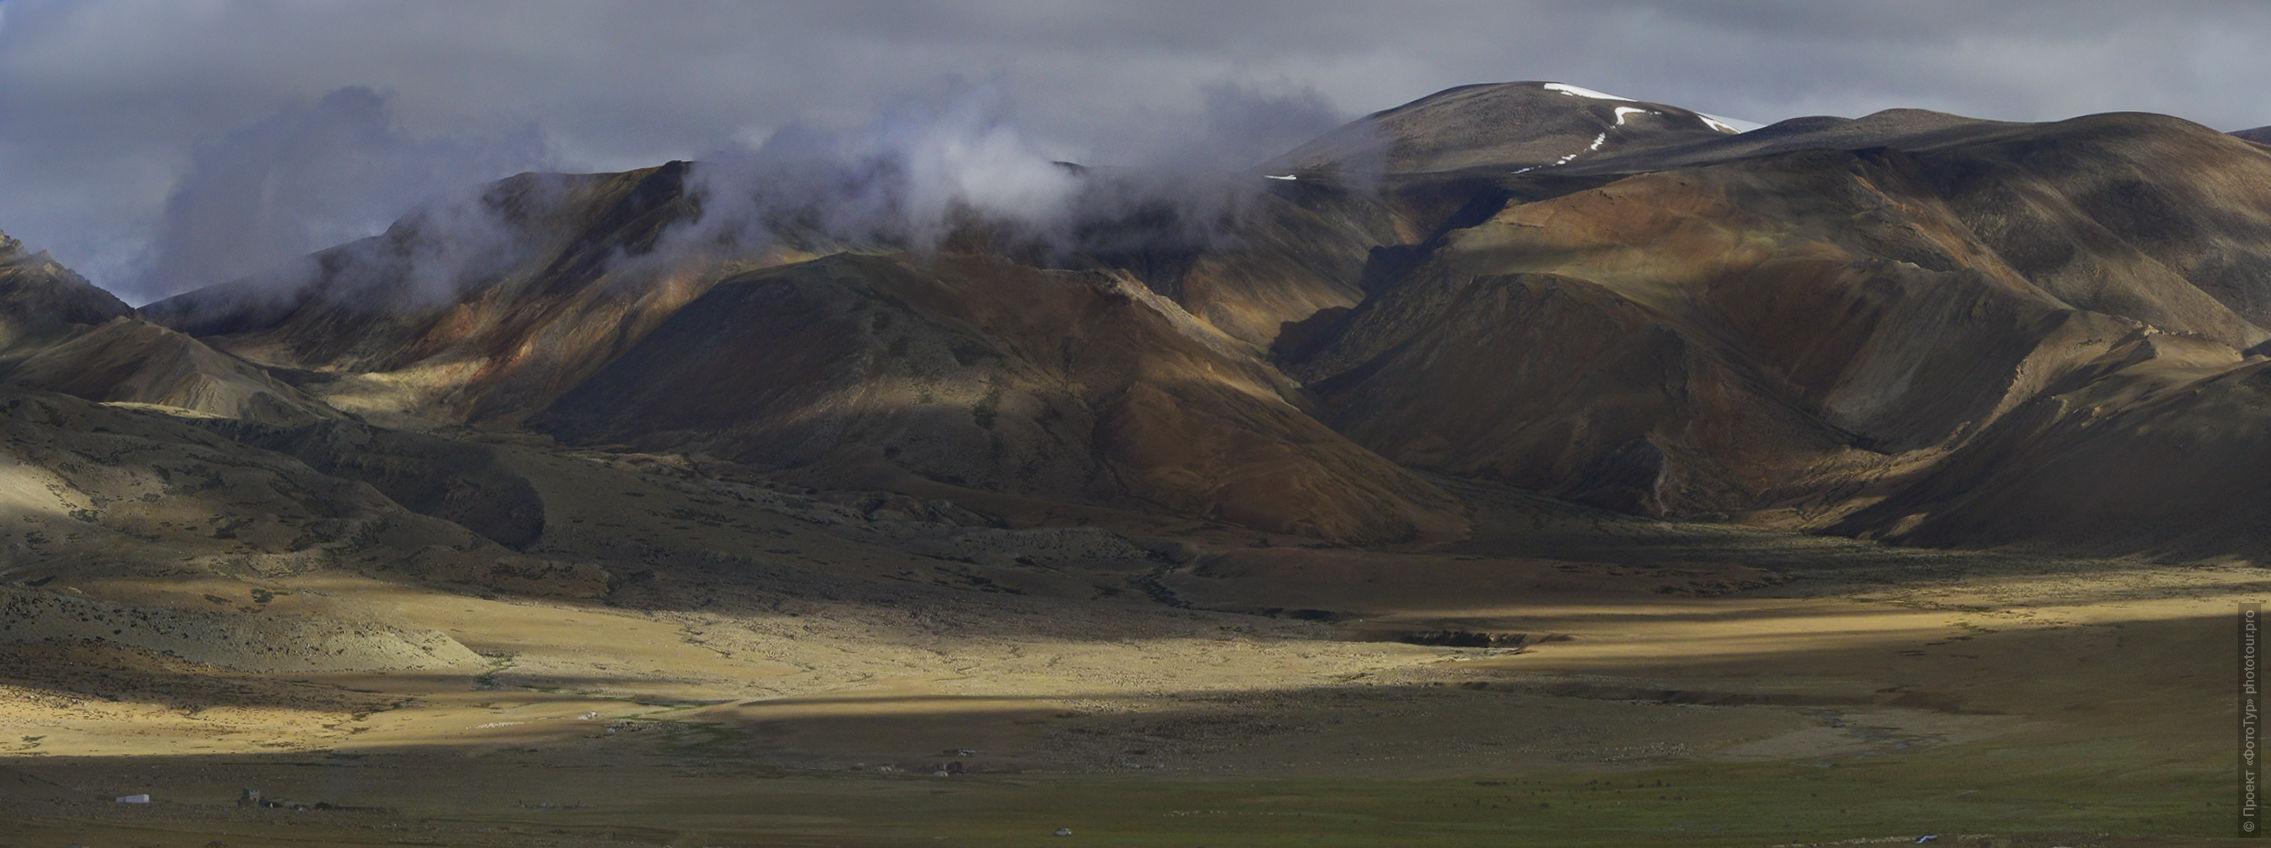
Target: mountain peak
<point>40,297</point>
<point>1511,124</point>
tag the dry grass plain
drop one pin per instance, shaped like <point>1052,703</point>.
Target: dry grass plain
<point>775,667</point>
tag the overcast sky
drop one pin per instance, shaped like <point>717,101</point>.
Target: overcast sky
<point>156,144</point>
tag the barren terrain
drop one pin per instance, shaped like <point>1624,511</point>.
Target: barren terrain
<point>1567,677</point>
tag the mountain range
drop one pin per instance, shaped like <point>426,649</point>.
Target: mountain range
<point>1912,327</point>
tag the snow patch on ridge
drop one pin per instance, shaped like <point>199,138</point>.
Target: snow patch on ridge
<point>1576,91</point>
<point>1624,112</point>
<point>1728,125</point>
<point>1279,177</point>
<point>1598,140</point>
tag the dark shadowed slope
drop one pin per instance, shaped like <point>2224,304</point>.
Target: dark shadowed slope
<point>2160,447</point>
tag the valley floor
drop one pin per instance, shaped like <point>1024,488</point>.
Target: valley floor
<point>1563,678</point>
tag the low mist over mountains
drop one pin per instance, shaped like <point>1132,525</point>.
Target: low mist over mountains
<point>1909,326</point>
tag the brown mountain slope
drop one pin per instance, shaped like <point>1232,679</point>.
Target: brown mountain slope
<point>1900,129</point>
<point>2121,214</point>
<point>2159,449</point>
<point>568,307</point>
<point>134,361</point>
<point>573,282</point>
<point>1785,330</point>
<point>1556,383</point>
<point>493,343</point>
<point>1280,253</point>
<point>250,451</point>
<point>41,300</point>
<point>99,490</point>
<point>979,373</point>
<point>984,373</point>
<point>60,333</point>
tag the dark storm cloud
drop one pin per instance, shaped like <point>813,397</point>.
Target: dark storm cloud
<point>108,109</point>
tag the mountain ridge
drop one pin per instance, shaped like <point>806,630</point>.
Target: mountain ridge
<point>1777,326</point>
